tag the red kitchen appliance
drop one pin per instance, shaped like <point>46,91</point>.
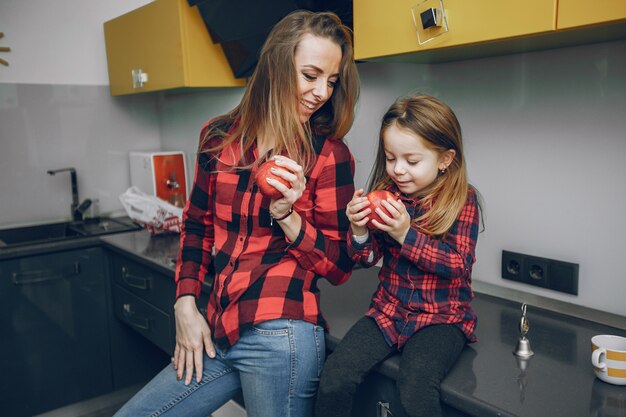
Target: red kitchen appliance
<point>163,174</point>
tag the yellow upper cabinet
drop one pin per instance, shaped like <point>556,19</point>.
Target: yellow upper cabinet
<point>384,28</point>
<point>164,45</point>
<point>576,13</point>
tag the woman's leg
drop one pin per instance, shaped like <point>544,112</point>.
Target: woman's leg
<point>426,359</point>
<point>279,363</point>
<point>166,396</point>
<point>359,351</point>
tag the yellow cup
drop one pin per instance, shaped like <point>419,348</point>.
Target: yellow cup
<point>608,358</point>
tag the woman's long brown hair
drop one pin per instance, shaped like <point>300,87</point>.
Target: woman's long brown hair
<point>436,123</point>
<point>269,104</point>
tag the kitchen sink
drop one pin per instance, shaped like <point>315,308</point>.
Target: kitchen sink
<point>61,231</point>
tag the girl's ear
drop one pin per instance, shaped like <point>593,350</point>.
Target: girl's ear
<point>446,158</point>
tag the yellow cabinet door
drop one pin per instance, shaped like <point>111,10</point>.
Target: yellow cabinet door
<point>384,28</point>
<point>168,42</point>
<point>575,13</point>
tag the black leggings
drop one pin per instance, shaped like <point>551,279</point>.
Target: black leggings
<point>424,362</point>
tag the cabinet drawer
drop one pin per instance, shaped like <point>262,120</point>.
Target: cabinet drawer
<point>155,288</point>
<point>154,324</point>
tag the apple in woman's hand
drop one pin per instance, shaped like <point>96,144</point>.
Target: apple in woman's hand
<point>265,172</point>
<point>375,198</point>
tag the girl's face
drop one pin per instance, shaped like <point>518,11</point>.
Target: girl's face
<point>409,162</point>
<point>317,66</point>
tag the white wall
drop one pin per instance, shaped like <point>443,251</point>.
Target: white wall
<point>57,41</point>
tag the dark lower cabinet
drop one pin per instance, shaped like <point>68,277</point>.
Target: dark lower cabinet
<point>135,359</point>
<point>53,317</point>
<point>61,343</point>
<point>378,396</point>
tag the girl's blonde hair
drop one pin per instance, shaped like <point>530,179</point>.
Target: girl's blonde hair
<point>436,123</point>
<point>269,104</point>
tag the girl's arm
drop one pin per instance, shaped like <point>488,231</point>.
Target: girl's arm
<point>452,256</point>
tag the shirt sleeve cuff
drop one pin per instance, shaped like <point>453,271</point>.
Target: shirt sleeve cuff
<point>305,241</point>
<point>361,240</point>
<point>188,286</point>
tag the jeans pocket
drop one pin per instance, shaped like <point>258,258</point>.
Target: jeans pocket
<point>278,327</point>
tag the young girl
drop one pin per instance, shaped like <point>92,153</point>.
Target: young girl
<point>427,240</point>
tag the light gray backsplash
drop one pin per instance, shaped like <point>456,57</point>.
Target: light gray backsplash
<point>45,127</point>
<point>545,145</point>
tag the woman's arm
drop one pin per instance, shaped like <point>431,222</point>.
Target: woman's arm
<point>193,335</point>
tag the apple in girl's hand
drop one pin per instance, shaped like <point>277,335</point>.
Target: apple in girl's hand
<point>261,179</point>
<point>375,198</point>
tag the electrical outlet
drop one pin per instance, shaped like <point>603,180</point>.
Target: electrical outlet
<point>535,271</point>
<point>541,272</point>
<point>512,265</point>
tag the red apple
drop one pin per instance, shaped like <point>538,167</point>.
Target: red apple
<point>261,180</point>
<point>375,198</point>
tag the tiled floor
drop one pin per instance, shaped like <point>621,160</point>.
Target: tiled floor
<point>107,405</point>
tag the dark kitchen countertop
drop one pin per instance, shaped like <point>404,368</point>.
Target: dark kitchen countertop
<point>488,380</point>
<point>77,242</point>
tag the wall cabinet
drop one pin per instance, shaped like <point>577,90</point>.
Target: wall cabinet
<point>387,28</point>
<point>386,31</point>
<point>576,13</point>
<point>166,44</point>
<point>53,315</point>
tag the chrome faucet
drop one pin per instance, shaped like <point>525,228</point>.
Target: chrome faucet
<point>77,210</point>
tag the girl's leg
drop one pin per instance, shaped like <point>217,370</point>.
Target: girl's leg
<point>359,351</point>
<point>426,359</point>
<point>279,363</point>
<point>166,396</point>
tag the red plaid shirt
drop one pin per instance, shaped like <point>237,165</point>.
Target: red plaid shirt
<point>425,280</point>
<point>258,274</point>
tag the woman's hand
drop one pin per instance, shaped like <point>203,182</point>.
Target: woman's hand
<point>192,335</point>
<point>357,211</point>
<point>281,206</point>
<point>397,223</point>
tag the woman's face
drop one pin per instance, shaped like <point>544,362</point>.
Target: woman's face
<point>317,66</point>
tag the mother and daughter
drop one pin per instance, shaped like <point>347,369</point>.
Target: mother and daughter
<point>263,333</point>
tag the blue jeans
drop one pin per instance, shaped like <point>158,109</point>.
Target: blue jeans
<point>276,364</point>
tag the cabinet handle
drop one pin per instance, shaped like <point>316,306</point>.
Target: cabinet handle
<point>141,283</point>
<point>141,323</point>
<point>139,77</point>
<point>382,409</point>
<point>45,275</point>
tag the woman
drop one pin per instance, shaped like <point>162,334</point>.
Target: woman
<point>265,330</point>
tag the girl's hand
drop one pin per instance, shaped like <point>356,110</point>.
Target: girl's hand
<point>398,223</point>
<point>280,207</point>
<point>357,211</point>
<point>193,336</point>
